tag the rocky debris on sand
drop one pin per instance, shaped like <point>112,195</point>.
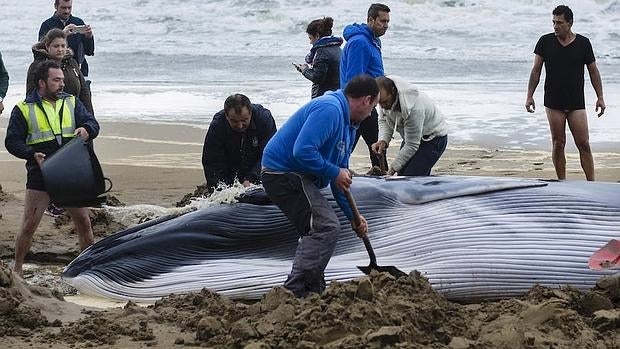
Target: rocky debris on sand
<point>106,327</point>
<point>375,311</point>
<point>382,312</point>
<point>17,316</point>
<point>103,223</point>
<point>113,201</point>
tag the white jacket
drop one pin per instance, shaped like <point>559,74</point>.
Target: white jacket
<point>418,117</point>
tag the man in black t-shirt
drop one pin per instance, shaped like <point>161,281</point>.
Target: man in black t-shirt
<point>564,54</point>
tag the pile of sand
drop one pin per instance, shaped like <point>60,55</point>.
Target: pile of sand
<point>370,312</point>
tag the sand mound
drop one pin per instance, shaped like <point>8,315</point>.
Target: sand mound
<point>377,311</point>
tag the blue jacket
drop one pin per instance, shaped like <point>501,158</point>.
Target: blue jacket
<point>317,141</point>
<point>361,55</point>
<point>78,42</point>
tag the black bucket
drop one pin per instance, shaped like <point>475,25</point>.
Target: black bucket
<point>73,176</point>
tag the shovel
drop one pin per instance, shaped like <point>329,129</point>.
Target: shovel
<point>392,270</point>
<point>607,257</point>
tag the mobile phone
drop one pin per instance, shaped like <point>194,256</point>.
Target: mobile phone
<point>79,29</point>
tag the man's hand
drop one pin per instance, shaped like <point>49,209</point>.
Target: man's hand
<point>530,106</point>
<point>246,183</point>
<point>343,180</point>
<point>89,32</point>
<point>360,229</point>
<point>600,105</point>
<point>39,157</point>
<point>68,29</point>
<point>379,147</point>
<point>81,131</point>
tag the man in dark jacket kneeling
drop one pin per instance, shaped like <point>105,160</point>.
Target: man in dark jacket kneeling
<point>235,141</point>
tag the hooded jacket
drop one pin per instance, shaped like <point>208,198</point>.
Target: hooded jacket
<point>79,43</point>
<point>324,71</point>
<point>414,116</point>
<point>74,80</point>
<point>361,54</point>
<point>228,155</point>
<point>320,152</point>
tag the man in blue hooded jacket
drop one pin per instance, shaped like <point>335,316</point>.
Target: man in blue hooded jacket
<point>362,55</point>
<point>300,159</point>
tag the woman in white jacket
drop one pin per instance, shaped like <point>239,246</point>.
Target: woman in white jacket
<point>418,121</point>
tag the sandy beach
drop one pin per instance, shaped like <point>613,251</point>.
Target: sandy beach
<point>158,164</point>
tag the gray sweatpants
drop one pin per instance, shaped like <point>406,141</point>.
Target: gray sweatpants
<point>316,223</point>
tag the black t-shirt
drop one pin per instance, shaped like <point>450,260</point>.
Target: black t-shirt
<point>564,70</point>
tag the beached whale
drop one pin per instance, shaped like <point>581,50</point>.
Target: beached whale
<point>472,237</point>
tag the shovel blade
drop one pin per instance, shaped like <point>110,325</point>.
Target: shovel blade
<point>395,272</point>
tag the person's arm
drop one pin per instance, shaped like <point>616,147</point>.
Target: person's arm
<point>4,83</point>
<point>318,72</point>
<point>214,162</point>
<point>338,185</point>
<point>16,133</point>
<point>311,139</point>
<point>357,60</point>
<point>386,131</point>
<point>45,27</point>
<point>85,119</point>
<point>89,42</point>
<point>268,129</point>
<point>597,83</point>
<point>386,127</point>
<point>412,127</point>
<point>30,83</point>
<point>85,96</point>
<point>530,106</point>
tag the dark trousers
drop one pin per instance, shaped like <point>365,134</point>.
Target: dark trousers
<point>425,158</point>
<point>369,131</point>
<point>316,223</point>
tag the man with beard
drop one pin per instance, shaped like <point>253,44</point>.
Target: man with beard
<point>40,125</point>
<point>362,55</point>
<point>79,35</point>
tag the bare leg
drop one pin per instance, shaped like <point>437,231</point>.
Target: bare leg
<point>557,126</point>
<point>83,228</point>
<point>34,204</point>
<point>578,125</point>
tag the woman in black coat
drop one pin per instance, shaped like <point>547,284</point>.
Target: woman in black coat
<point>322,65</point>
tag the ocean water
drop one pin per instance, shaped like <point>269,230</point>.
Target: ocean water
<point>175,61</point>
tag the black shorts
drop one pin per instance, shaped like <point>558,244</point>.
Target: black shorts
<point>34,178</point>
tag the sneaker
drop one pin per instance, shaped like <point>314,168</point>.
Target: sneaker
<point>54,211</point>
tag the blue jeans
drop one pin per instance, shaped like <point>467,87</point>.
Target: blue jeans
<point>425,158</point>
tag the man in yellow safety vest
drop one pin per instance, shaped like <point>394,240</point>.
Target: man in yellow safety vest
<point>38,127</point>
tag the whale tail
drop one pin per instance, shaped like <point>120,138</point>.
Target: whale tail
<point>607,257</point>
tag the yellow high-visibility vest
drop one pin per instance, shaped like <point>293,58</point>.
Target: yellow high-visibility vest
<point>44,124</point>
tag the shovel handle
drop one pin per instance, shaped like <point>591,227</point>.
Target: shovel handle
<point>357,220</point>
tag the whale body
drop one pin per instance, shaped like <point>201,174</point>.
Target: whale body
<point>472,237</point>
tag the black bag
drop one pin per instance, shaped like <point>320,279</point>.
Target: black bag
<point>73,176</point>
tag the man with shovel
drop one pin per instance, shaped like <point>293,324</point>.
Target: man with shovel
<point>310,151</point>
